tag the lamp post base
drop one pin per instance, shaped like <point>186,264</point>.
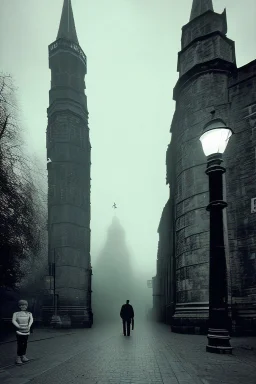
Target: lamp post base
<point>218,341</point>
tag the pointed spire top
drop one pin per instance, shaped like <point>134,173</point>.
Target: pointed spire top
<point>199,7</point>
<point>67,29</point>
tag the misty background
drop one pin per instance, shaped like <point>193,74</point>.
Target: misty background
<point>131,48</point>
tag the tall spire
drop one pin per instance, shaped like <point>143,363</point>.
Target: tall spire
<point>199,7</point>
<point>67,29</point>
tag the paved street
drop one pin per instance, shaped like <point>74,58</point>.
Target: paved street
<point>102,355</point>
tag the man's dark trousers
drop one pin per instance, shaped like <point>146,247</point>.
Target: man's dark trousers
<point>126,326</point>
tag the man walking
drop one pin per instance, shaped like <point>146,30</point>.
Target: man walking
<point>127,315</point>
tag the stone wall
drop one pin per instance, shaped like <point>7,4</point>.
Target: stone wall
<point>209,22</point>
<point>241,188</point>
<point>68,147</point>
<point>206,93</point>
<point>211,47</point>
<point>165,267</point>
<point>233,99</point>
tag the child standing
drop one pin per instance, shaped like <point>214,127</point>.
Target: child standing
<point>22,321</point>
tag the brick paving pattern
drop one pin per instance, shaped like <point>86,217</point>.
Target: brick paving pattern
<point>152,354</point>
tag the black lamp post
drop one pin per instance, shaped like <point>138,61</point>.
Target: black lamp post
<point>214,141</point>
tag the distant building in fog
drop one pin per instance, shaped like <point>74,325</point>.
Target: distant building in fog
<point>113,276</point>
<point>116,279</point>
<point>210,86</point>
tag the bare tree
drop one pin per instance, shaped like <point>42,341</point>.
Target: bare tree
<point>35,265</point>
<point>22,211</point>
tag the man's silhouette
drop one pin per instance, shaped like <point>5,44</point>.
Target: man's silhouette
<point>127,315</point>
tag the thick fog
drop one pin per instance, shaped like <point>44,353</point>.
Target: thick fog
<point>132,49</point>
<point>115,281</point>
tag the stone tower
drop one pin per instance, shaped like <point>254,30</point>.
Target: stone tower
<point>204,63</point>
<point>210,86</point>
<point>69,163</point>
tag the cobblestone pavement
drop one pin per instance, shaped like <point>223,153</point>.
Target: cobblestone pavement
<point>102,355</point>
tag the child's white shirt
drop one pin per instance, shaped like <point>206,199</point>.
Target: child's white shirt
<point>22,318</point>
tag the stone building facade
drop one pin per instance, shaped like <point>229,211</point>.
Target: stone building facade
<point>69,164</point>
<point>210,86</point>
<point>163,294</point>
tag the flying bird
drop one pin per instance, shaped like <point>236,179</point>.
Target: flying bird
<point>114,206</point>
<point>49,160</point>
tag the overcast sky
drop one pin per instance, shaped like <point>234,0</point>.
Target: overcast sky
<point>131,48</point>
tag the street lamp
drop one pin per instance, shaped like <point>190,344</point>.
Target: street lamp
<point>214,141</point>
